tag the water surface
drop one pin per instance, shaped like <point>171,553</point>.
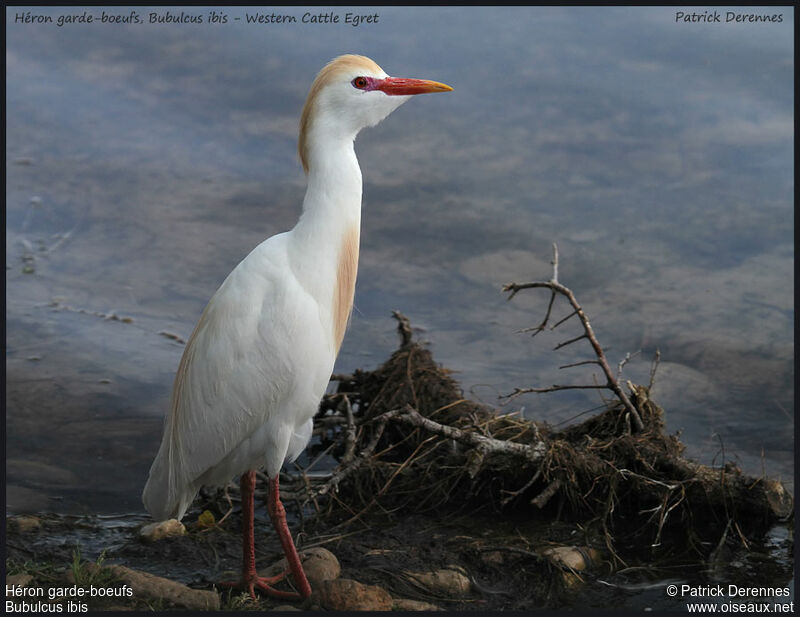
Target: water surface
<point>146,160</point>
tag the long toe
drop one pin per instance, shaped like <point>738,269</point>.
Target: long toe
<point>265,585</point>
<point>251,581</point>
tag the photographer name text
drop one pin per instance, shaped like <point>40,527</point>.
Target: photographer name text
<point>729,17</point>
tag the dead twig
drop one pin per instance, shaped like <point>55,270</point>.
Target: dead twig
<point>628,357</point>
<point>403,327</point>
<point>409,415</point>
<point>350,432</point>
<point>588,333</point>
<point>511,495</point>
<point>553,388</point>
<point>654,368</point>
<point>542,498</point>
<point>344,470</point>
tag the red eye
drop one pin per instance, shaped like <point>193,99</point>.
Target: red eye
<point>360,82</point>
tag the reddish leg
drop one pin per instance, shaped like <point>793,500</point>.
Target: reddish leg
<point>278,516</point>
<point>250,579</point>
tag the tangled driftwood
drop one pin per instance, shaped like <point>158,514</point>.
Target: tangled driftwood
<point>407,440</point>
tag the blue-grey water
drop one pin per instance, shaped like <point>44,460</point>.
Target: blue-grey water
<point>144,160</point>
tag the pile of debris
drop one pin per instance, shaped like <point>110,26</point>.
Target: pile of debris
<point>408,441</point>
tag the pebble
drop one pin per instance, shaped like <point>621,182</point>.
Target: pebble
<point>319,565</point>
<point>573,557</point>
<point>19,580</point>
<point>447,581</point>
<point>571,560</point>
<point>164,529</point>
<point>779,499</point>
<point>343,594</point>
<point>24,523</point>
<point>148,586</point>
<point>404,604</point>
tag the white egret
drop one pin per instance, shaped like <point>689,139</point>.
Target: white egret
<point>258,362</point>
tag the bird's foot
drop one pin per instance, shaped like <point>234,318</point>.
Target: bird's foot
<point>251,581</point>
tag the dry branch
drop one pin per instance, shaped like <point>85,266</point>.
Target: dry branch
<point>408,415</point>
<point>588,333</point>
<point>349,466</point>
<point>408,441</point>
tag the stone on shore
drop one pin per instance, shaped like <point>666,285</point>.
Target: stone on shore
<point>19,580</point>
<point>151,587</point>
<point>405,604</point>
<point>163,529</point>
<point>24,523</point>
<point>343,594</point>
<point>319,565</point>
<point>447,581</point>
<point>573,557</point>
<point>571,560</point>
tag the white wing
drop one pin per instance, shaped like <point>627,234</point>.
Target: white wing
<point>241,369</point>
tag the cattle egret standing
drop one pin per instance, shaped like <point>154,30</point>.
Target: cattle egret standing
<point>260,358</point>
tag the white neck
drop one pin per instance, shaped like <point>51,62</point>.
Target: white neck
<point>332,204</point>
<point>324,243</point>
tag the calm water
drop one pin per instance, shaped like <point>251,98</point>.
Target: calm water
<point>145,160</point>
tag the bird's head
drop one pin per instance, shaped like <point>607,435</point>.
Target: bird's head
<point>351,93</point>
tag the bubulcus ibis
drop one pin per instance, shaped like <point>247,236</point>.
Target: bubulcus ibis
<point>260,358</point>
